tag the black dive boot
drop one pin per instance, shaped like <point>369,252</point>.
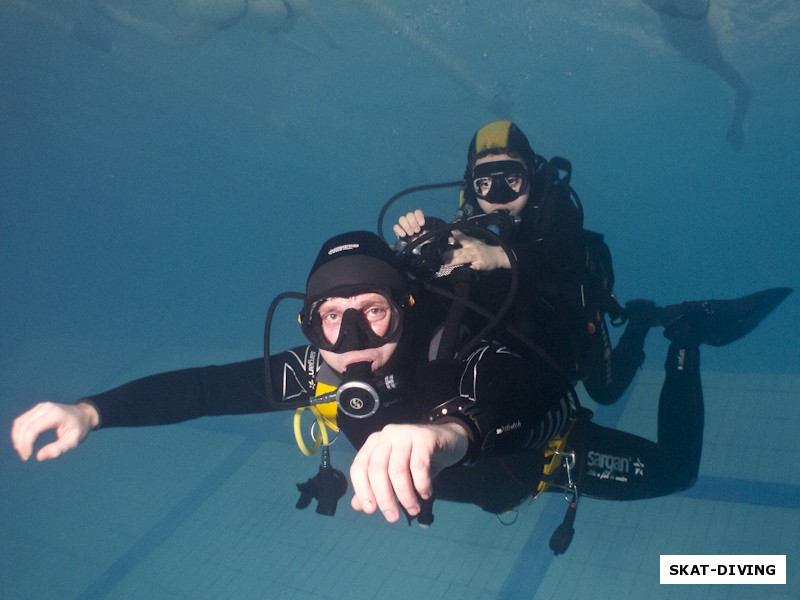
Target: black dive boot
<point>719,322</point>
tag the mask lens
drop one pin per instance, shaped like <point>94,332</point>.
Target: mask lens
<point>482,186</point>
<point>515,181</point>
<point>342,325</point>
<point>499,182</point>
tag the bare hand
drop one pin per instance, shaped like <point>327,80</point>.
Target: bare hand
<point>478,255</point>
<point>399,462</point>
<point>71,422</point>
<point>410,225</point>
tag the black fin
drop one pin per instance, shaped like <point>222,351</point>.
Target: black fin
<point>720,322</point>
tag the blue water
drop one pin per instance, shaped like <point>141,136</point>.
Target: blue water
<point>153,199</point>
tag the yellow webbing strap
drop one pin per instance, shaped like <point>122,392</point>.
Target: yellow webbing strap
<point>553,456</point>
<point>325,415</point>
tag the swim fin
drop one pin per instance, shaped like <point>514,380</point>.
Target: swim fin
<point>719,322</point>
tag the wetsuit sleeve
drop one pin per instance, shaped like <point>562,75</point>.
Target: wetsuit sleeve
<point>506,402</point>
<point>175,396</point>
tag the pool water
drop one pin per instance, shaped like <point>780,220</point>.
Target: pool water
<point>155,197</point>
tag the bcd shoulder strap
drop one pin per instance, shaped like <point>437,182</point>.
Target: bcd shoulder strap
<point>599,275</point>
<point>559,206</point>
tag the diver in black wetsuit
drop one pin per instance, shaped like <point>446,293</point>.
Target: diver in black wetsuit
<point>566,277</point>
<point>381,338</point>
<point>474,430</point>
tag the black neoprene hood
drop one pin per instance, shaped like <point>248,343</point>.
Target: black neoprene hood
<point>354,263</point>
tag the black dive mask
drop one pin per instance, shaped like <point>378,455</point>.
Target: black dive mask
<point>355,329</point>
<point>500,182</point>
<point>358,395</point>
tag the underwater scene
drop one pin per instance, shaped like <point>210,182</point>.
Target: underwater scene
<point>168,168</point>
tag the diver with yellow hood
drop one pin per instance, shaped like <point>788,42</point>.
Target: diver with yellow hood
<point>565,273</point>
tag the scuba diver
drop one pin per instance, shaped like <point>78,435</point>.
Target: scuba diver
<point>491,429</point>
<point>566,277</point>
<point>688,30</point>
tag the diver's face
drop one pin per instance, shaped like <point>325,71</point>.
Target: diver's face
<point>516,205</point>
<point>378,313</point>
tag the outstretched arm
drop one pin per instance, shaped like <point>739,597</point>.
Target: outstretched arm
<point>400,461</point>
<point>71,423</point>
<point>236,388</point>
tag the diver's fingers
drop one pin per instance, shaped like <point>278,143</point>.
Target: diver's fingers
<point>58,447</point>
<point>470,244</point>
<point>416,219</point>
<point>460,256</point>
<point>465,248</point>
<point>479,256</point>
<point>71,422</point>
<point>408,453</point>
<point>476,254</point>
<point>79,420</point>
<point>381,475</point>
<point>363,497</point>
<point>404,228</point>
<point>399,460</point>
<point>410,224</point>
<point>420,468</point>
<point>29,425</point>
<point>462,238</point>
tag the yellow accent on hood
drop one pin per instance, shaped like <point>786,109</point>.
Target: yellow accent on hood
<point>492,136</point>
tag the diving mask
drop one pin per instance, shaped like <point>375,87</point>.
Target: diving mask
<point>336,325</point>
<point>500,182</point>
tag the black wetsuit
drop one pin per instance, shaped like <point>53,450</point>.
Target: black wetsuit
<point>561,302</point>
<point>610,464</point>
<point>504,392</point>
<point>516,406</point>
